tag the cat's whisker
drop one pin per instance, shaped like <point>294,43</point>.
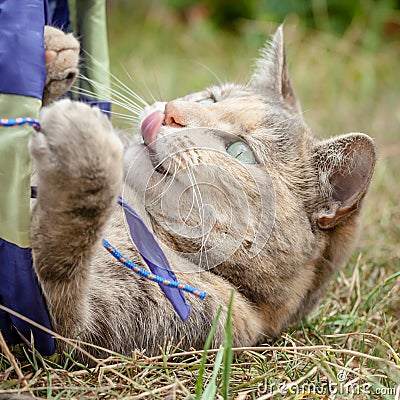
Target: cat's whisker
<point>128,91</point>
<point>204,237</point>
<point>165,174</point>
<point>126,116</point>
<point>167,187</point>
<point>114,95</point>
<point>144,83</point>
<point>201,209</point>
<point>157,86</point>
<point>190,210</point>
<point>193,197</point>
<point>172,178</point>
<point>115,81</point>
<point>133,122</point>
<point>89,93</point>
<point>207,68</point>
<point>120,85</point>
<point>132,116</point>
<point>127,107</point>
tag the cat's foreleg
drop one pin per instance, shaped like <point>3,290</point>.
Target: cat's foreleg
<point>77,160</point>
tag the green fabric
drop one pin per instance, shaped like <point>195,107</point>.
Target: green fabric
<point>89,23</point>
<point>15,167</point>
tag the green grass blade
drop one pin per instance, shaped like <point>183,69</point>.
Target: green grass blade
<point>228,353</point>
<point>380,287</point>
<point>199,382</point>
<point>211,388</point>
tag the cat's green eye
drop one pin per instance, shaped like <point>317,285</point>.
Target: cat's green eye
<point>242,152</point>
<point>206,102</point>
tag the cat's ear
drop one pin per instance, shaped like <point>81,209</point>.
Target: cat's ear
<point>345,166</point>
<point>271,72</point>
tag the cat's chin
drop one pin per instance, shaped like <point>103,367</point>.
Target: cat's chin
<point>139,171</point>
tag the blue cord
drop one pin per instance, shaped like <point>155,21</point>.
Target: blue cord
<point>148,275</point>
<point>9,122</point>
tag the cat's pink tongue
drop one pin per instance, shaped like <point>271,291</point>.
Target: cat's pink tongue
<point>151,126</point>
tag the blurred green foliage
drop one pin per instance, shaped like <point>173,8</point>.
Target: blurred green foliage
<point>379,18</point>
<point>333,15</point>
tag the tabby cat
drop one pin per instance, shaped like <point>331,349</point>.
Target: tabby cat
<point>235,188</point>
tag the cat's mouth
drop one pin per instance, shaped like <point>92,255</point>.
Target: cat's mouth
<point>151,125</point>
<point>150,128</point>
<point>155,127</point>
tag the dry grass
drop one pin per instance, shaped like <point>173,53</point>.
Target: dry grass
<point>349,346</point>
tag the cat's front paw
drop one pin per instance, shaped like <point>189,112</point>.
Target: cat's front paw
<point>76,150</point>
<point>62,58</point>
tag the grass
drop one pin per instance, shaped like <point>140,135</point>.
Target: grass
<point>349,346</point>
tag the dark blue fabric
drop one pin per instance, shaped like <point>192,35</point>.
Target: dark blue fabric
<point>46,12</point>
<point>154,258</point>
<point>20,291</point>
<point>22,64</point>
<point>22,72</point>
<point>59,14</point>
<point>105,106</point>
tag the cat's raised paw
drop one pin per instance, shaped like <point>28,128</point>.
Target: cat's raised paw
<point>62,58</point>
<point>76,146</point>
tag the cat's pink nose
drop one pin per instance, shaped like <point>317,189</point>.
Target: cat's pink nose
<point>175,113</point>
<point>151,126</point>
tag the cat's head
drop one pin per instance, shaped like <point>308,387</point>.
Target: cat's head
<point>232,178</point>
